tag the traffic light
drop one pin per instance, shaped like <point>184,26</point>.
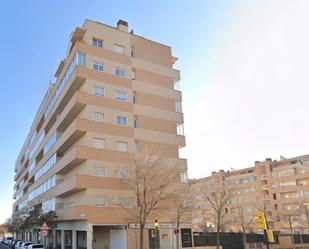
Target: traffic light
<point>270,236</point>
<point>156,225</point>
<point>260,220</point>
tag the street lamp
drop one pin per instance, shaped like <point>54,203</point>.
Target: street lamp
<point>156,233</point>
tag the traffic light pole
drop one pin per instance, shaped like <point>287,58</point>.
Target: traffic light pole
<point>266,237</point>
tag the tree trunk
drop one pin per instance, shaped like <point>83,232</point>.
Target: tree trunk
<point>244,237</point>
<point>307,217</point>
<point>141,237</point>
<point>218,234</point>
<point>291,231</point>
<point>177,234</point>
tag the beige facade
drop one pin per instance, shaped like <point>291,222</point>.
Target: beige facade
<point>114,95</point>
<point>278,188</point>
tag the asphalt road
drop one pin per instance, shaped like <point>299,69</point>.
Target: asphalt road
<point>3,246</point>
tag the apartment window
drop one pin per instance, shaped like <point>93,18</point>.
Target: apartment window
<point>122,146</point>
<point>99,143</point>
<point>122,173</point>
<point>184,177</point>
<point>120,72</point>
<point>135,122</point>
<point>132,51</point>
<point>100,170</point>
<point>98,67</point>
<point>118,49</point>
<point>134,98</point>
<point>177,85</point>
<point>100,201</point>
<point>98,90</point>
<point>97,43</point>
<point>69,203</point>
<point>120,95</point>
<point>121,120</point>
<point>180,129</point>
<point>124,202</point>
<point>178,106</point>
<point>98,116</point>
<point>136,147</point>
<point>133,74</point>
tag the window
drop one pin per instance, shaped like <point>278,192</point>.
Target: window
<point>132,51</point>
<point>99,143</point>
<point>178,106</point>
<point>136,147</point>
<point>122,146</point>
<point>133,74</point>
<point>134,98</point>
<point>180,130</point>
<point>184,177</point>
<point>135,122</point>
<point>122,120</point>
<point>120,72</point>
<point>177,85</point>
<point>100,201</point>
<point>98,67</point>
<point>100,170</point>
<point>118,49</point>
<point>97,43</point>
<point>120,95</point>
<point>124,202</point>
<point>122,173</point>
<point>98,90</point>
<point>98,116</point>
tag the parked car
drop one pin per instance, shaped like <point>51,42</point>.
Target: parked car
<point>36,246</point>
<point>8,240</point>
<point>13,244</point>
<point>26,246</point>
<point>18,244</point>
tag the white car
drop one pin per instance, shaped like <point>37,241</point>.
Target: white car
<point>36,246</point>
<point>25,244</point>
<point>18,245</point>
<point>8,240</point>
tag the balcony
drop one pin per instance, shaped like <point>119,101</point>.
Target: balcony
<point>78,183</point>
<point>94,215</point>
<point>160,137</point>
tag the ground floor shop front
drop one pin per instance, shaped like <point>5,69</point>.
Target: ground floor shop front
<point>83,235</point>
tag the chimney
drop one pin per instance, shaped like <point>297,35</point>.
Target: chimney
<point>122,25</point>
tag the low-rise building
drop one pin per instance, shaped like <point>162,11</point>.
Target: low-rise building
<point>278,188</point>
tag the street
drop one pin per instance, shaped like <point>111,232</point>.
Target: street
<point>2,246</point>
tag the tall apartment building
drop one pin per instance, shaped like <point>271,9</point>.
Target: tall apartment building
<point>115,93</point>
<point>278,188</point>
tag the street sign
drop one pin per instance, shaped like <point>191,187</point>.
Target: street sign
<point>44,230</point>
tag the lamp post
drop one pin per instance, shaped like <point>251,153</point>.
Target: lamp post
<point>156,232</point>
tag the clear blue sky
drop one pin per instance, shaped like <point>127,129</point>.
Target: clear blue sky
<point>243,66</point>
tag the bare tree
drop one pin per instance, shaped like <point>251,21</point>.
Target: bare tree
<point>290,216</point>
<point>217,198</point>
<point>304,210</point>
<point>243,216</point>
<point>153,180</point>
<point>184,206</point>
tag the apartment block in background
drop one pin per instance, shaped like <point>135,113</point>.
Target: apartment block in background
<point>278,188</point>
<point>115,93</point>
